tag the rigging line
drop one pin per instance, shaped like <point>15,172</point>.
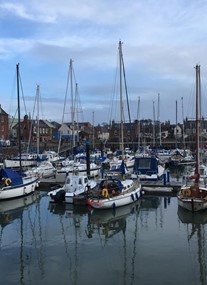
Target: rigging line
<point>32,123</point>
<point>114,91</point>
<point>66,93</point>
<point>79,106</point>
<point>41,106</point>
<point>73,73</point>
<point>12,122</point>
<point>127,97</point>
<point>20,81</point>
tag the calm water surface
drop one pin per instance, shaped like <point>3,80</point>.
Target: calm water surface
<point>150,242</point>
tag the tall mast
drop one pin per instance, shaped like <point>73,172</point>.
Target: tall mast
<point>121,103</point>
<point>153,123</point>
<point>183,125</point>
<point>176,123</point>
<point>158,119</point>
<point>19,120</point>
<point>93,131</point>
<point>138,122</point>
<point>77,108</point>
<point>38,120</point>
<point>197,120</point>
<point>72,100</point>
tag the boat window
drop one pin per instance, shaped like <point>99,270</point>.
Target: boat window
<point>144,163</point>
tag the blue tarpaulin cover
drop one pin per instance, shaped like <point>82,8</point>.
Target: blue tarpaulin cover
<point>16,178</point>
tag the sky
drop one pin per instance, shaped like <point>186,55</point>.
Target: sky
<point>162,41</point>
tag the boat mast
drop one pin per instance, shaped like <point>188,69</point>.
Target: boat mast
<point>197,121</point>
<point>72,101</point>
<point>77,108</point>
<point>153,124</point>
<point>183,125</point>
<point>38,122</point>
<point>158,119</point>
<point>121,103</point>
<point>176,124</point>
<point>138,122</point>
<point>19,120</point>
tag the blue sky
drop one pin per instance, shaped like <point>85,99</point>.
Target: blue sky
<point>162,42</point>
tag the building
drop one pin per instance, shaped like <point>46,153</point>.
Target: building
<point>4,126</point>
<point>29,130</point>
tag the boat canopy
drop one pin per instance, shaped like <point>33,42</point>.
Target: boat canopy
<point>16,178</point>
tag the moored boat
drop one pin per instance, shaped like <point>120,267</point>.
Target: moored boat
<point>74,186</point>
<point>115,192</point>
<point>14,185</point>
<point>193,196</point>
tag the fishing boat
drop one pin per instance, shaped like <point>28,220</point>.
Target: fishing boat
<point>13,184</point>
<point>116,192</point>
<point>74,186</point>
<point>193,196</point>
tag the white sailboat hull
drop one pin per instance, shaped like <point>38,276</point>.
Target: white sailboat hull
<point>127,197</point>
<point>11,192</point>
<point>192,204</point>
<point>15,163</point>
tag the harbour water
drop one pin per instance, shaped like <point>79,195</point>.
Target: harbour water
<point>149,242</point>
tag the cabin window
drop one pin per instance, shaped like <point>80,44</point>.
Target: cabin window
<point>144,164</point>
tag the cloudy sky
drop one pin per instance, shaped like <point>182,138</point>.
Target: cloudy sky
<point>163,40</point>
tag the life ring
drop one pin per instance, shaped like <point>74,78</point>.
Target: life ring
<point>105,193</point>
<point>186,192</point>
<point>8,181</point>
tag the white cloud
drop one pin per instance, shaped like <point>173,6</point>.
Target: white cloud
<point>163,41</point>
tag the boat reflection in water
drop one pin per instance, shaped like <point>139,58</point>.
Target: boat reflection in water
<point>16,221</point>
<point>195,226</point>
<point>111,221</point>
<point>12,209</point>
<point>141,243</point>
<point>85,231</point>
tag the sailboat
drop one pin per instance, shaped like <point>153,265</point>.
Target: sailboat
<point>76,164</point>
<point>193,197</point>
<point>12,183</point>
<point>116,192</point>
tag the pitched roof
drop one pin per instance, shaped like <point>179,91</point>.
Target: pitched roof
<point>2,112</point>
